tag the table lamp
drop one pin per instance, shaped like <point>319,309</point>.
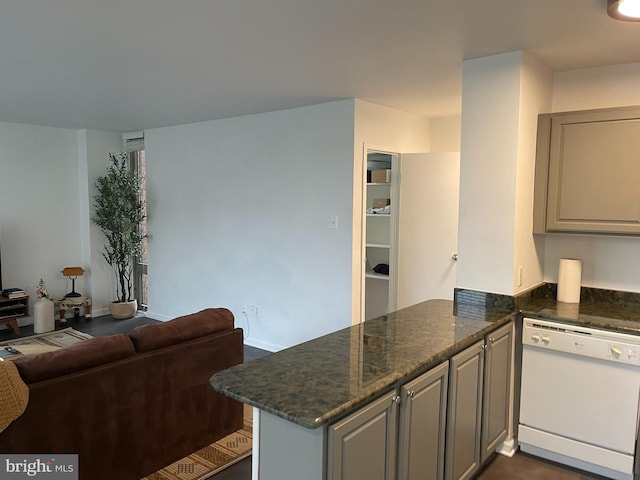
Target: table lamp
<point>72,273</point>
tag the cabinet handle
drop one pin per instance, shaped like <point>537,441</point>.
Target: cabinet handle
<point>396,399</point>
<point>491,340</point>
<point>454,257</point>
<point>411,394</point>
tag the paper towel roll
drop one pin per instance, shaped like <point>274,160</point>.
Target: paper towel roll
<point>569,280</point>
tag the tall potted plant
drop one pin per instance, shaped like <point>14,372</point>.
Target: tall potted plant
<point>119,212</point>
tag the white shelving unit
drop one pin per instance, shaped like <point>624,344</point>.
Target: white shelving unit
<point>380,237</point>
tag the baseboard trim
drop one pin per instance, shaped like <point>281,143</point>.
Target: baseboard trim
<point>100,312</point>
<point>158,316</point>
<point>507,448</point>
<point>269,347</point>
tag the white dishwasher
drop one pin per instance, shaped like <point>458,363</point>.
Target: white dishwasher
<point>579,396</point>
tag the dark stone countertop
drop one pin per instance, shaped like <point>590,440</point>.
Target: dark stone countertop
<point>608,317</point>
<point>321,380</point>
<point>605,309</point>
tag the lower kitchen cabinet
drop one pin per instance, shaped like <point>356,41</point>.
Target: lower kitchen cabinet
<point>478,406</point>
<point>464,413</point>
<point>423,415</point>
<point>497,389</point>
<point>443,424</point>
<point>363,445</point>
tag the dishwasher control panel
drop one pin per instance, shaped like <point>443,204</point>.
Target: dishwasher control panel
<point>585,341</point>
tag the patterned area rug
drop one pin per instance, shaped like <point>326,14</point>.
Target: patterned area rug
<point>47,341</point>
<point>205,463</point>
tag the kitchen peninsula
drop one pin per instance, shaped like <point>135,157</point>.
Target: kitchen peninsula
<point>313,399</point>
<point>310,394</point>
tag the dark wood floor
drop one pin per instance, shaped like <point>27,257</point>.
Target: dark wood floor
<point>526,467</point>
<point>520,467</point>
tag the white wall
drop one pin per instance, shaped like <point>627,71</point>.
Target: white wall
<point>488,154</point>
<point>390,129</point>
<point>239,215</point>
<point>501,99</point>
<point>93,160</point>
<point>445,134</point>
<point>40,214</point>
<point>599,87</point>
<point>535,98</point>
<point>605,259</point>
<point>45,192</point>
<point>385,129</point>
<point>608,262</point>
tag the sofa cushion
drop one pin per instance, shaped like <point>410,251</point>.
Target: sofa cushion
<point>181,329</point>
<point>77,357</point>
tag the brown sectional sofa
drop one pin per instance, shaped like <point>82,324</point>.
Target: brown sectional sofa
<point>130,404</point>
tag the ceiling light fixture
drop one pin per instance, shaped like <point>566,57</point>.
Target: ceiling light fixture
<point>627,10</point>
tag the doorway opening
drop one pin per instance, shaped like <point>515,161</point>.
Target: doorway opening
<point>380,232</point>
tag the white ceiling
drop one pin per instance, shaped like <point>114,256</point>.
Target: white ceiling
<point>132,64</point>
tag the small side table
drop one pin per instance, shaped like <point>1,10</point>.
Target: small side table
<point>74,303</point>
<point>11,309</point>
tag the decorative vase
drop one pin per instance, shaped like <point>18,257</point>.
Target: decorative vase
<point>123,310</point>
<point>43,316</point>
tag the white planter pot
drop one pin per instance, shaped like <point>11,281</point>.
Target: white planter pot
<point>43,316</point>
<point>122,310</point>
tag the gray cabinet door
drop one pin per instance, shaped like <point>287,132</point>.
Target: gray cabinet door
<point>422,426</point>
<point>497,389</point>
<point>462,456</point>
<point>587,172</point>
<point>363,445</point>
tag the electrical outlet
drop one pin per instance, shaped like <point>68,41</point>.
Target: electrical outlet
<point>254,310</point>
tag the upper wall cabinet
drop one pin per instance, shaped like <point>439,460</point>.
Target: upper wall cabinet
<point>588,172</point>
